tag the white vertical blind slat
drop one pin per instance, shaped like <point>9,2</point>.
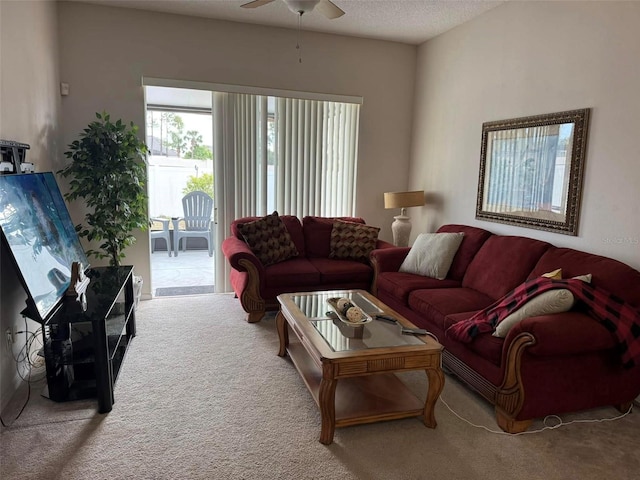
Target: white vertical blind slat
<point>262,147</point>
<point>315,159</point>
<point>306,158</point>
<point>317,163</point>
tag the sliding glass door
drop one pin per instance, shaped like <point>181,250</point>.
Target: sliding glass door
<point>291,152</point>
<point>291,155</point>
<point>179,135</point>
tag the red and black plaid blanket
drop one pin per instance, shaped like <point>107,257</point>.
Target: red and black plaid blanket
<point>620,318</point>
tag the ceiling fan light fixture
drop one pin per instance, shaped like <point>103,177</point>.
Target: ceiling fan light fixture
<point>301,7</point>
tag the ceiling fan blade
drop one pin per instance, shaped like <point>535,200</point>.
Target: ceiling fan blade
<point>329,9</point>
<point>256,3</point>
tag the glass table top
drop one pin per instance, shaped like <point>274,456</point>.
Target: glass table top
<point>341,336</point>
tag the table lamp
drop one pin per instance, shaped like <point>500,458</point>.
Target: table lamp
<point>401,226</point>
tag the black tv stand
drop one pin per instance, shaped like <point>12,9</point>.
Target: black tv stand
<point>84,350</point>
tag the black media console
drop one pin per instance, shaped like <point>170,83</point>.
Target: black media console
<point>84,350</point>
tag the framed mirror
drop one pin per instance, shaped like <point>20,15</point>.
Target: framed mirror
<point>531,171</point>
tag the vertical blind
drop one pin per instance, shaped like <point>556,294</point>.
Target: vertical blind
<point>313,168</point>
<point>250,158</point>
<point>316,154</point>
<point>523,170</point>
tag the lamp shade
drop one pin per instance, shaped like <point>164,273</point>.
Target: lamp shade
<point>404,199</point>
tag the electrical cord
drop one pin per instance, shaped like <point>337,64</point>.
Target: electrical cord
<point>28,355</point>
<point>25,356</point>
<point>544,422</point>
<point>433,336</point>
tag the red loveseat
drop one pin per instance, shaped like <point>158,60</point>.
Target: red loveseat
<point>546,364</point>
<point>257,286</point>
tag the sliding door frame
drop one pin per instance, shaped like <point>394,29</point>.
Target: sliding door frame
<point>224,212</point>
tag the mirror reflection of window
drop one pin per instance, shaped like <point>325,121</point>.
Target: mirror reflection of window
<point>527,172</point>
<point>531,170</point>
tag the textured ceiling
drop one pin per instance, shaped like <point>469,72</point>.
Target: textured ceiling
<point>406,21</point>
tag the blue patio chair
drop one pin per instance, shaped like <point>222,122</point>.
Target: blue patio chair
<point>198,208</point>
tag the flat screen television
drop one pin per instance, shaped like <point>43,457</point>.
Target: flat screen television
<point>39,235</point>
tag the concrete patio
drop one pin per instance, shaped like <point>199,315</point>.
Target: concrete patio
<point>190,273</point>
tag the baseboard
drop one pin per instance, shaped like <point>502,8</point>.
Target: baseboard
<point>9,378</point>
<point>11,395</point>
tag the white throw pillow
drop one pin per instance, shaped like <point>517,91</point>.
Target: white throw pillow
<point>432,254</point>
<point>551,301</point>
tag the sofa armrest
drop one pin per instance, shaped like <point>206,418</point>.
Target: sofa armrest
<point>236,250</point>
<point>388,259</point>
<point>384,244</point>
<point>566,333</point>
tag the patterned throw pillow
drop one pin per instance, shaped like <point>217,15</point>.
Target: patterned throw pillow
<point>353,241</point>
<point>269,239</point>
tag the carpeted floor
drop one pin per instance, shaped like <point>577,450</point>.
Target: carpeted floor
<point>203,395</point>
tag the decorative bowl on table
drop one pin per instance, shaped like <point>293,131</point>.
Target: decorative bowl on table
<point>348,312</point>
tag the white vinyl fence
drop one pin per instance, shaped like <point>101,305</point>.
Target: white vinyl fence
<point>168,176</point>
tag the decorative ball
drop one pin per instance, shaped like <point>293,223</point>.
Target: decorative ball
<point>343,304</point>
<point>347,307</point>
<point>354,314</point>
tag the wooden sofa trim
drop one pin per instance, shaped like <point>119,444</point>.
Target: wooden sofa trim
<point>374,281</point>
<point>251,301</point>
<point>472,378</point>
<point>509,397</point>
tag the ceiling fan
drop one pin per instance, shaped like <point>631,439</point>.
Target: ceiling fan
<point>300,7</point>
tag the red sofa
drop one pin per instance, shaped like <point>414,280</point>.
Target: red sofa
<point>258,286</point>
<point>548,364</point>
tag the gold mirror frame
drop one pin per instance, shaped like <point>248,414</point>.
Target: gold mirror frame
<point>531,171</point>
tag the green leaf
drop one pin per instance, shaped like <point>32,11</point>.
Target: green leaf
<point>106,173</point>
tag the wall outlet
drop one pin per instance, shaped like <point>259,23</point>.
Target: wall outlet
<point>9,338</point>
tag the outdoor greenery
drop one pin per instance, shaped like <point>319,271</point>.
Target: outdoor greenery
<point>169,128</point>
<point>108,172</point>
<point>203,183</point>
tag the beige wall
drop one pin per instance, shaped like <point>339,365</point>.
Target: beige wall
<point>527,58</point>
<point>106,51</point>
<point>29,111</point>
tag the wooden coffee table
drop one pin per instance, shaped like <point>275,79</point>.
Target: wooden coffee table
<point>364,359</point>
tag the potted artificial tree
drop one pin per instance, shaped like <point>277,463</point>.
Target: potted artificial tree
<point>108,172</point>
